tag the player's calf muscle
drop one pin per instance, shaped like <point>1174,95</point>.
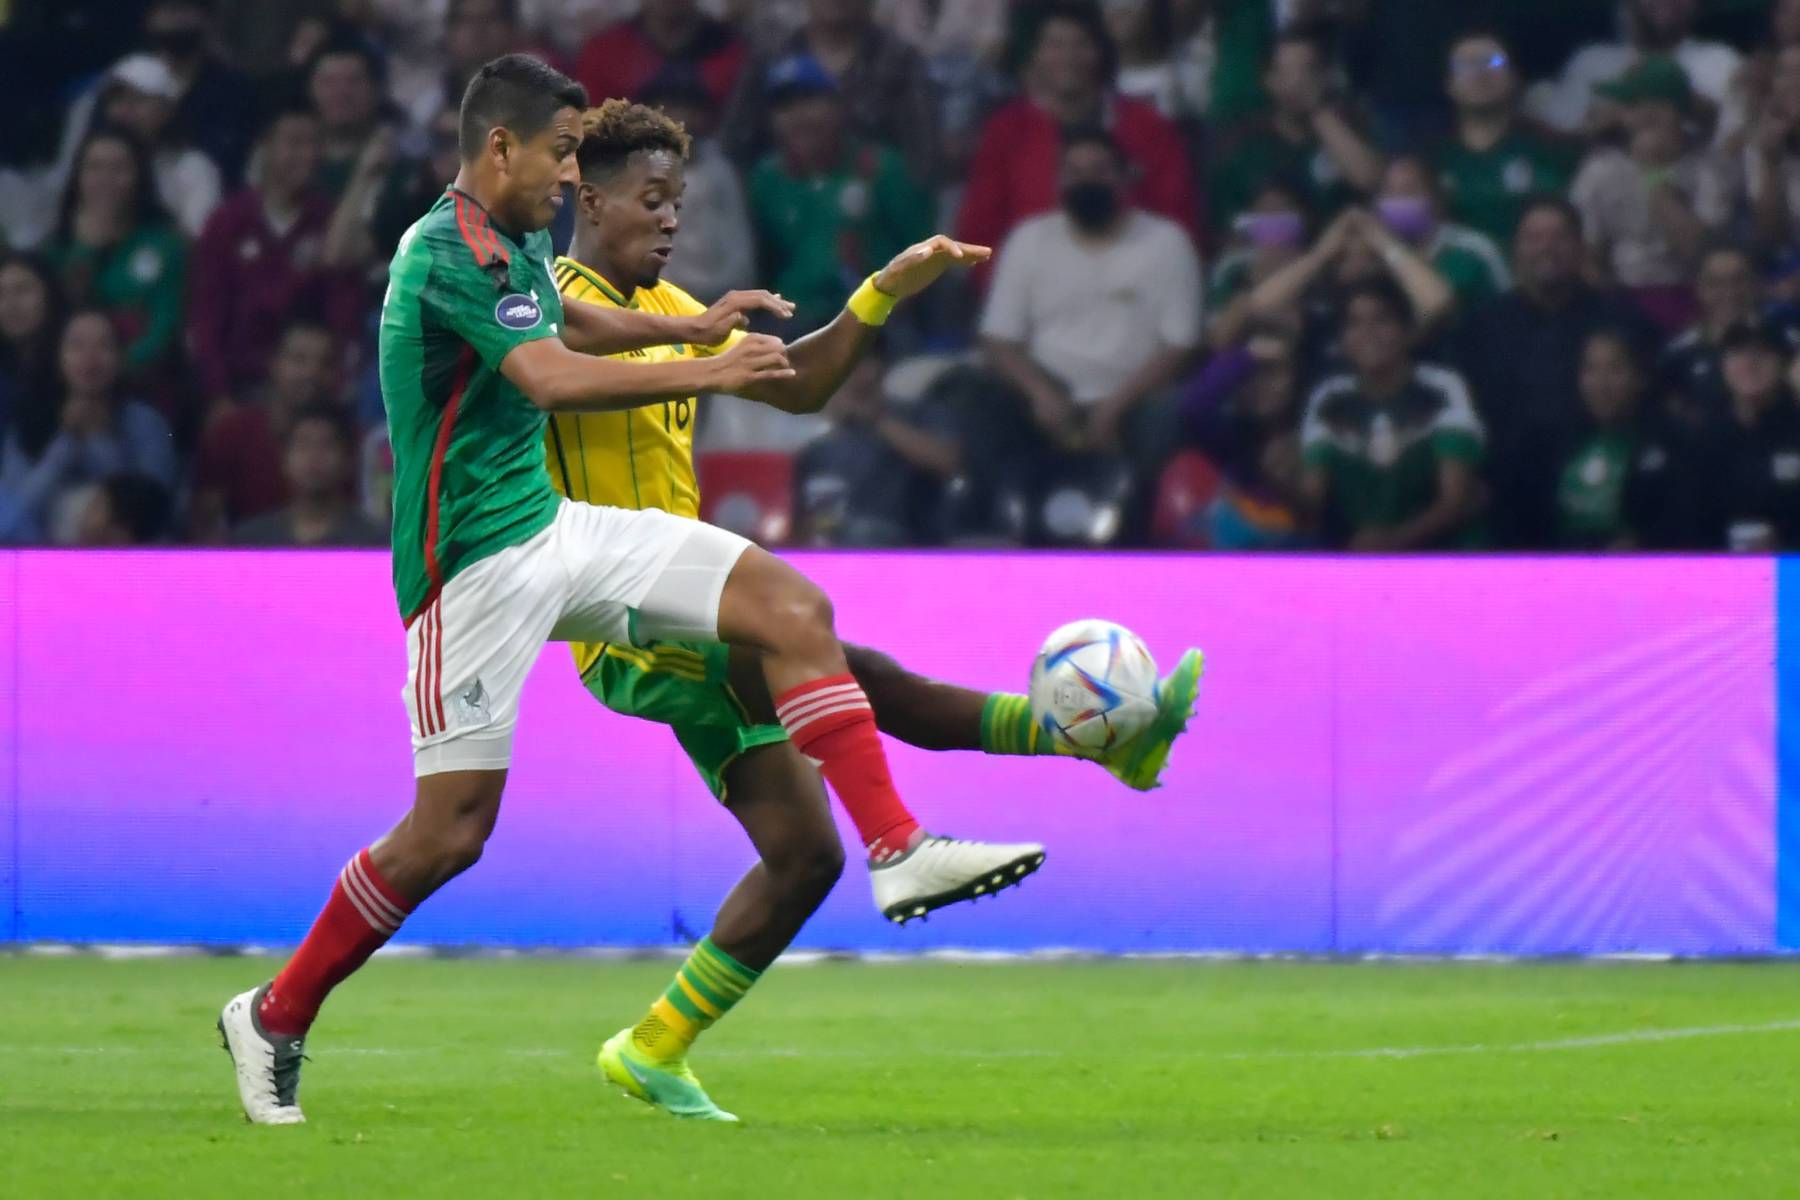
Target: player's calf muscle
<point>443,834</point>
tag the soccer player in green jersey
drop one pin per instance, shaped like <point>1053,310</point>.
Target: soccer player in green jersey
<point>476,347</point>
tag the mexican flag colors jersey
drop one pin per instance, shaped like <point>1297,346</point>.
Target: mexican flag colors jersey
<point>469,473</point>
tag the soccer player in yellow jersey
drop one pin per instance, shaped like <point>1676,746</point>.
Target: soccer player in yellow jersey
<point>630,161</point>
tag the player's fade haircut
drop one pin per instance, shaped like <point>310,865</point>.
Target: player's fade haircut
<point>515,92</point>
<point>616,129</point>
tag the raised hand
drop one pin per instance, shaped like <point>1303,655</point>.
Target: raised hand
<point>917,267</point>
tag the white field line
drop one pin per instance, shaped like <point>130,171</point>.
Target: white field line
<point>1551,1045</point>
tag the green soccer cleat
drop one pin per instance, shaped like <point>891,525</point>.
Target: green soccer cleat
<point>1139,762</point>
<point>671,1086</point>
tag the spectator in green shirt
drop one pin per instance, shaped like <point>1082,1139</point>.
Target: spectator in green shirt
<point>1621,481</point>
<point>827,208</point>
<point>1412,208</point>
<point>1496,159</point>
<point>1391,447</point>
<point>1304,135</point>
<point>116,247</point>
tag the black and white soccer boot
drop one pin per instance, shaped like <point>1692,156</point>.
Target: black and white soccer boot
<point>268,1067</point>
<point>941,870</point>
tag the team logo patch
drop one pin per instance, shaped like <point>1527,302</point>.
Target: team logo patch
<point>518,311</point>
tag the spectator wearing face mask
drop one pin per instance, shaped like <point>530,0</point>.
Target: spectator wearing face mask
<point>1066,77</point>
<point>1266,238</point>
<point>1305,135</point>
<point>1093,314</point>
<point>1411,208</point>
<point>215,105</point>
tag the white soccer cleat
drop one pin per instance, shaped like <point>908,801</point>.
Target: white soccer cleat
<point>268,1067</point>
<point>941,870</point>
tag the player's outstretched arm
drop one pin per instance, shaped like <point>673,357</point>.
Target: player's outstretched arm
<point>557,379</point>
<point>823,359</point>
<point>598,329</point>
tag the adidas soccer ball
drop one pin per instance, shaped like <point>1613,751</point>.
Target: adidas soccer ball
<point>1093,686</point>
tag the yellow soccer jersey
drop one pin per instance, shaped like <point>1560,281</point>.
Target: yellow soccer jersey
<point>638,457</point>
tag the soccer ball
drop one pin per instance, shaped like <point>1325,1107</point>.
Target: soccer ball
<point>1093,686</point>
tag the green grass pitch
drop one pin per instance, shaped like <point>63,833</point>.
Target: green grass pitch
<point>923,1080</point>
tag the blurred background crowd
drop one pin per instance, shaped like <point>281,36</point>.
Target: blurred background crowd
<point>1365,274</point>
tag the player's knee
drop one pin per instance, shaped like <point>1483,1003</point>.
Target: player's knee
<point>811,866</point>
<point>458,847</point>
<point>807,618</point>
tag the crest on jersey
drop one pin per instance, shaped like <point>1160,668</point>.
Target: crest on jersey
<point>518,311</point>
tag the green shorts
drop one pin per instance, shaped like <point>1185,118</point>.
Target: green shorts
<point>683,685</point>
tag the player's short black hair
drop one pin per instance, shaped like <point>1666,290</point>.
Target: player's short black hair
<point>516,92</point>
<point>1094,135</point>
<point>1385,292</point>
<point>616,129</point>
<point>1554,202</point>
<point>139,503</point>
<point>332,415</point>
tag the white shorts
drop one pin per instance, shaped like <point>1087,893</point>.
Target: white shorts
<point>593,575</point>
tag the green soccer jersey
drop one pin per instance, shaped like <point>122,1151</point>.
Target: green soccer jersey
<point>1381,456</point>
<point>469,474</point>
<point>1487,189</point>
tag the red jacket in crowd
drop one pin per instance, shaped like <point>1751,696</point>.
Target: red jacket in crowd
<point>1013,174</point>
<point>248,280</point>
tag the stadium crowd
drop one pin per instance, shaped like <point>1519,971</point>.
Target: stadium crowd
<point>1372,274</point>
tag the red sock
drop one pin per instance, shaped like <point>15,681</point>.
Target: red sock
<point>362,914</point>
<point>831,723</point>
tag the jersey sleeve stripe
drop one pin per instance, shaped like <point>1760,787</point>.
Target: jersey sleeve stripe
<point>468,233</point>
<point>465,367</point>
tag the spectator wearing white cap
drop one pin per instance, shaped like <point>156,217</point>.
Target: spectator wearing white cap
<point>140,95</point>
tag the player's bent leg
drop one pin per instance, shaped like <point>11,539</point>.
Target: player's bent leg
<point>933,871</point>
<point>776,796</point>
<point>468,653</point>
<point>934,715</point>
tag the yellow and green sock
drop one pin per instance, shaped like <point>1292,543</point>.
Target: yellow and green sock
<point>704,989</point>
<point>1007,727</point>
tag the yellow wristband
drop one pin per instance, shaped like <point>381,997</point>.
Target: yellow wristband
<point>869,304</point>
